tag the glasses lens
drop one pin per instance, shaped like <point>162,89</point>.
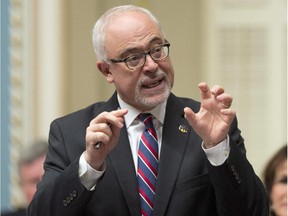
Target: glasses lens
<point>157,53</point>
<point>135,61</point>
<point>160,52</point>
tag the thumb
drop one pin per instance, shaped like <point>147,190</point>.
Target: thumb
<point>190,116</point>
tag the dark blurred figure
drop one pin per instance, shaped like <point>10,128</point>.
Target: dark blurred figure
<point>275,180</point>
<point>30,173</point>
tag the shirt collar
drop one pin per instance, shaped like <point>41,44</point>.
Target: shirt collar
<point>158,112</point>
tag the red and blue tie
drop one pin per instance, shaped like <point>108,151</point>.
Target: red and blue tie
<point>147,165</point>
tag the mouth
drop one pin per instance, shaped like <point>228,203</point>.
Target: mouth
<point>152,83</point>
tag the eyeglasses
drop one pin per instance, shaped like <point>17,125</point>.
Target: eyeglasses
<point>138,60</point>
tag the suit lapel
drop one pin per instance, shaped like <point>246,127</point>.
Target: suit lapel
<point>174,142</point>
<point>122,162</point>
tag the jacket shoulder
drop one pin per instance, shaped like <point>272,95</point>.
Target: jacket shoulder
<point>184,102</point>
<point>84,115</point>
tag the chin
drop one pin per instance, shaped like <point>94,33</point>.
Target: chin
<point>151,101</point>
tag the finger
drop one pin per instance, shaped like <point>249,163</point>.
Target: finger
<point>205,91</point>
<point>217,90</point>
<point>98,119</point>
<point>98,137</point>
<point>115,118</point>
<point>106,123</point>
<point>229,113</point>
<point>96,132</point>
<point>119,112</point>
<point>190,116</point>
<point>225,99</point>
<point>119,120</point>
<point>97,127</point>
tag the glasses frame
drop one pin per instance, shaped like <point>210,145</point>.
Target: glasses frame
<point>166,44</point>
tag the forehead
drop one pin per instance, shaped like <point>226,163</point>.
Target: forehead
<point>282,168</point>
<point>131,29</point>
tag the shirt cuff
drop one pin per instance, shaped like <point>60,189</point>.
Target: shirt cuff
<point>88,175</point>
<point>218,154</point>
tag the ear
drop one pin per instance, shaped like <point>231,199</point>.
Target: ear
<point>105,70</point>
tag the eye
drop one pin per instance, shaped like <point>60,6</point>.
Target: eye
<point>283,180</point>
<point>157,52</point>
<point>157,49</point>
<point>134,60</point>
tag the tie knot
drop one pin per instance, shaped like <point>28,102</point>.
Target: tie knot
<point>146,118</point>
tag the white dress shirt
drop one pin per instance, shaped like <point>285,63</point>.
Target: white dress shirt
<point>89,176</point>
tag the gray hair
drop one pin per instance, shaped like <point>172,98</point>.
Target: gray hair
<point>33,151</point>
<point>99,30</point>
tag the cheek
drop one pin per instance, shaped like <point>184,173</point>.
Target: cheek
<point>125,82</point>
<point>169,70</point>
<point>277,192</point>
<point>126,85</point>
<point>122,76</point>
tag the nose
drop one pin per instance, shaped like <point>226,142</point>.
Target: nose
<point>150,64</point>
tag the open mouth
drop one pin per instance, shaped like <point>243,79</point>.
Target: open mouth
<point>152,85</point>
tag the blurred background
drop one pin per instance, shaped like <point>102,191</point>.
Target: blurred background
<point>48,67</point>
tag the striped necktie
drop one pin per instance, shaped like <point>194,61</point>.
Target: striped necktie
<point>147,165</point>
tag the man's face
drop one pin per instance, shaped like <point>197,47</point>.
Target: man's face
<point>149,85</point>
<point>30,175</point>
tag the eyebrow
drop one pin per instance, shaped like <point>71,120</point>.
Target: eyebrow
<point>137,49</point>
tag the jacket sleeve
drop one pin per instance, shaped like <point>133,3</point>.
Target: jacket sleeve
<point>238,189</point>
<point>60,191</point>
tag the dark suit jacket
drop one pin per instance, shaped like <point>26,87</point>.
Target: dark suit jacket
<point>186,185</point>
<point>17,212</point>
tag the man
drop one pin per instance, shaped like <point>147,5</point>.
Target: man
<point>97,165</point>
<point>30,173</point>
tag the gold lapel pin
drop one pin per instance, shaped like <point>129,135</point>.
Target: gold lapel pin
<point>183,128</point>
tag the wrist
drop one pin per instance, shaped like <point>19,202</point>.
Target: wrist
<point>95,164</point>
<point>208,145</point>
